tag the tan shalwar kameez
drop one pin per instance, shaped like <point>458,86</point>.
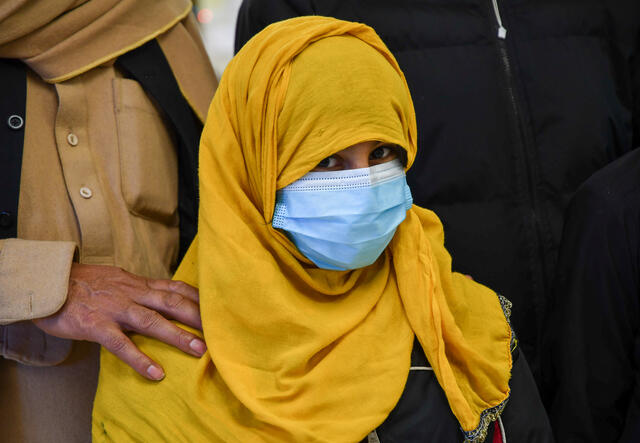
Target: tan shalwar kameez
<point>99,183</point>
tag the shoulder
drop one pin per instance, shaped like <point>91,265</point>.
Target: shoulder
<point>609,192</point>
<point>255,15</point>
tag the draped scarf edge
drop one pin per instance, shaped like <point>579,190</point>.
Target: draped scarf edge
<point>121,51</point>
<point>479,434</point>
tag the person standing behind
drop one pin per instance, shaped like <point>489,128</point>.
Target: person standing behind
<point>517,104</point>
<point>101,112</point>
<point>594,329</point>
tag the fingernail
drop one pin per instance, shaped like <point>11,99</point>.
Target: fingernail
<point>155,372</point>
<point>198,346</point>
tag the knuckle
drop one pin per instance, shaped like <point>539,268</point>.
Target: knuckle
<point>146,319</point>
<point>172,300</point>
<point>115,342</point>
<point>149,286</point>
<point>177,285</point>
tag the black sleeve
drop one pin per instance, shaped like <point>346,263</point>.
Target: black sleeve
<point>635,82</point>
<point>626,17</point>
<point>630,48</point>
<point>594,318</point>
<point>524,418</point>
<point>255,15</point>
<point>624,33</point>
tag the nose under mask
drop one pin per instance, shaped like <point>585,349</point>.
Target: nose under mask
<point>343,220</point>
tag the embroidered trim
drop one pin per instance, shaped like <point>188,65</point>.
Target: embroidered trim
<point>506,306</point>
<point>488,416</point>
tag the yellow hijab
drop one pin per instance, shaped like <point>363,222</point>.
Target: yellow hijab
<point>298,353</point>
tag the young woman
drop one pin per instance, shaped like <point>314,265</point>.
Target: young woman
<point>328,303</point>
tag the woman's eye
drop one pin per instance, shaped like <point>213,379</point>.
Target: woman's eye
<point>380,152</point>
<point>328,162</point>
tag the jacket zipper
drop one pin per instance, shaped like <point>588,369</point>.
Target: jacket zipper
<point>502,31</point>
<point>525,144</point>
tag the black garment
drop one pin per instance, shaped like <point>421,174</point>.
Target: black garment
<point>423,414</point>
<point>13,90</point>
<point>149,67</point>
<point>595,326</point>
<point>507,128</point>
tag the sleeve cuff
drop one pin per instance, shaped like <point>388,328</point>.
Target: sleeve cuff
<point>34,278</point>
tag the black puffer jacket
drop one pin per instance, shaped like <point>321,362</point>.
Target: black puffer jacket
<point>508,127</point>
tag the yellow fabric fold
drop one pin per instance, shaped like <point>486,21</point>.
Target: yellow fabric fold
<point>298,353</point>
<point>60,39</point>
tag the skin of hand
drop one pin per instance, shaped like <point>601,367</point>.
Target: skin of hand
<point>104,302</point>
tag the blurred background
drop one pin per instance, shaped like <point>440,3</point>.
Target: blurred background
<point>217,20</point>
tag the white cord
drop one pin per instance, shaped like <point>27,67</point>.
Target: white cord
<point>373,437</point>
<point>421,368</point>
<point>502,433</point>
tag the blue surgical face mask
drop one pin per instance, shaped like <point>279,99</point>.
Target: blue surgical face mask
<point>344,219</point>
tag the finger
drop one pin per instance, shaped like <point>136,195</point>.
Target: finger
<point>173,306</point>
<point>176,286</point>
<point>115,341</point>
<point>150,323</point>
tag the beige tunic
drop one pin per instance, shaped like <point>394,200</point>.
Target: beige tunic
<point>99,181</point>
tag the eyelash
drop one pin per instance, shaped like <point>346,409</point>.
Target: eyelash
<point>330,160</point>
<point>386,150</point>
